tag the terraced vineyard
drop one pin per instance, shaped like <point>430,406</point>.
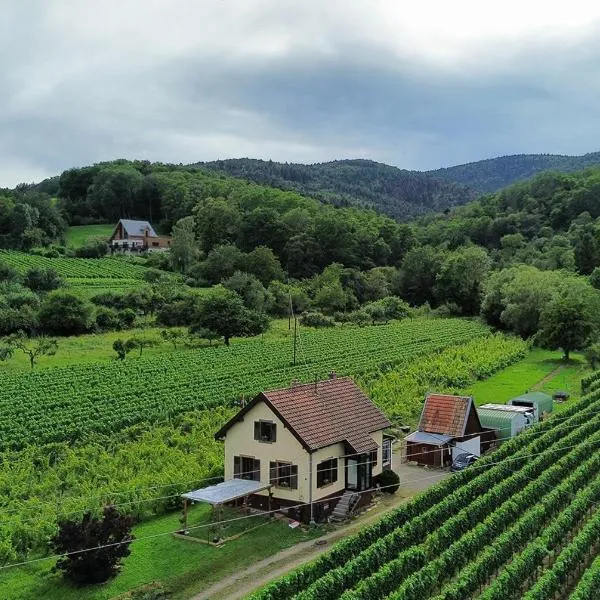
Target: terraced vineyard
<point>67,403</point>
<point>522,523</point>
<point>75,268</point>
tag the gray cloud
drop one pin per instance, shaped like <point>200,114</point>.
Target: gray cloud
<point>179,83</point>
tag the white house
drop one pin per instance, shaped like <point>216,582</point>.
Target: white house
<point>308,443</point>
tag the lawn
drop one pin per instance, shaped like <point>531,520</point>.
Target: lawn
<point>541,370</point>
<point>78,235</point>
<point>177,563</point>
<point>87,348</point>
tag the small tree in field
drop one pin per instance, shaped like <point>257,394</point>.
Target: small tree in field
<point>142,341</point>
<point>122,348</point>
<point>175,336</point>
<point>93,547</point>
<point>32,347</point>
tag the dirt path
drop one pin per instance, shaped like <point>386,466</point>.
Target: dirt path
<point>540,384</point>
<point>239,585</point>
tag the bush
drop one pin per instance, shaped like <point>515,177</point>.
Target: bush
<point>93,566</point>
<point>42,280</point>
<point>389,481</point>
<point>107,318</point>
<point>93,248</point>
<point>316,319</point>
<point>127,318</point>
<point>63,313</point>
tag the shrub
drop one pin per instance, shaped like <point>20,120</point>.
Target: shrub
<point>316,319</point>
<point>107,318</point>
<point>93,248</point>
<point>63,313</point>
<point>389,481</point>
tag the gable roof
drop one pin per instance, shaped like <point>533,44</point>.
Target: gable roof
<point>136,228</point>
<point>318,415</point>
<point>446,414</point>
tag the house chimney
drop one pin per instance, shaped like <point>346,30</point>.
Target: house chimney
<point>332,375</point>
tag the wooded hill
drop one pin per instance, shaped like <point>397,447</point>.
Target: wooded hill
<point>494,174</point>
<point>395,192</point>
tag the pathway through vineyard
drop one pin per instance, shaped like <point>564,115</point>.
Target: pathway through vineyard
<point>239,585</point>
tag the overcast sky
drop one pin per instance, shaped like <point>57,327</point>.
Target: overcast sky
<point>419,85</point>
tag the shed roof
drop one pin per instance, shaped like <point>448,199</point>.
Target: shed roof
<point>540,398</point>
<point>137,228</point>
<point>500,420</point>
<point>446,414</point>
<point>433,439</point>
<point>506,408</point>
<point>226,491</point>
<point>323,413</point>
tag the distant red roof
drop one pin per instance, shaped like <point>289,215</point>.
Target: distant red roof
<point>445,414</point>
<point>325,413</point>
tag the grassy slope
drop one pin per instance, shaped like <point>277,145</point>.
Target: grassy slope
<point>78,235</point>
<point>95,347</point>
<point>541,370</point>
<point>175,562</point>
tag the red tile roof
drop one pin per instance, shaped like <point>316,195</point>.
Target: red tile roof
<point>445,414</point>
<point>328,412</point>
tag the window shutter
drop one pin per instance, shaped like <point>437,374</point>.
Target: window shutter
<point>236,467</point>
<point>273,473</point>
<point>256,474</point>
<point>257,430</point>
<point>294,477</point>
<point>273,432</point>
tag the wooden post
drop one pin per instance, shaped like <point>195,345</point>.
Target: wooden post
<point>185,514</point>
<point>269,503</point>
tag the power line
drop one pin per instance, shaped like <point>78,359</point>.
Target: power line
<point>329,499</point>
<point>530,433</point>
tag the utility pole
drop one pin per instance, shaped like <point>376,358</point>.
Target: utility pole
<point>295,336</point>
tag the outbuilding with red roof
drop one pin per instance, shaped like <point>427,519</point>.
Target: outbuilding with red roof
<point>449,426</point>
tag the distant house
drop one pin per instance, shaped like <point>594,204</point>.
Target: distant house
<point>309,444</point>
<point>137,235</point>
<point>449,426</point>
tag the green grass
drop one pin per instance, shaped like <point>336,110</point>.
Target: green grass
<point>530,374</point>
<point>179,564</point>
<point>84,349</point>
<point>78,235</point>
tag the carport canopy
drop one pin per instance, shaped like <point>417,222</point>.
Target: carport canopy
<point>424,437</point>
<point>227,491</point>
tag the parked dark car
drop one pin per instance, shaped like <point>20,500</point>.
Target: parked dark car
<point>462,461</point>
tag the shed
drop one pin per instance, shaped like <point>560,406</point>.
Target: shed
<point>541,402</point>
<point>506,423</point>
<point>449,425</point>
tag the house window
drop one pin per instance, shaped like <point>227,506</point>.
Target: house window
<point>373,458</point>
<point>283,474</point>
<point>246,467</point>
<point>265,431</point>
<point>155,243</point>
<point>327,472</point>
<point>386,451</point>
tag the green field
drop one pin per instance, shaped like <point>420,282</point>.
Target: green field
<point>111,268</point>
<point>78,235</point>
<point>72,402</point>
<point>541,370</point>
<point>175,562</point>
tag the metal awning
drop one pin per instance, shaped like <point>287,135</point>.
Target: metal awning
<point>433,439</point>
<point>226,491</point>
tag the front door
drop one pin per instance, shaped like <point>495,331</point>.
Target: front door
<point>358,473</point>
